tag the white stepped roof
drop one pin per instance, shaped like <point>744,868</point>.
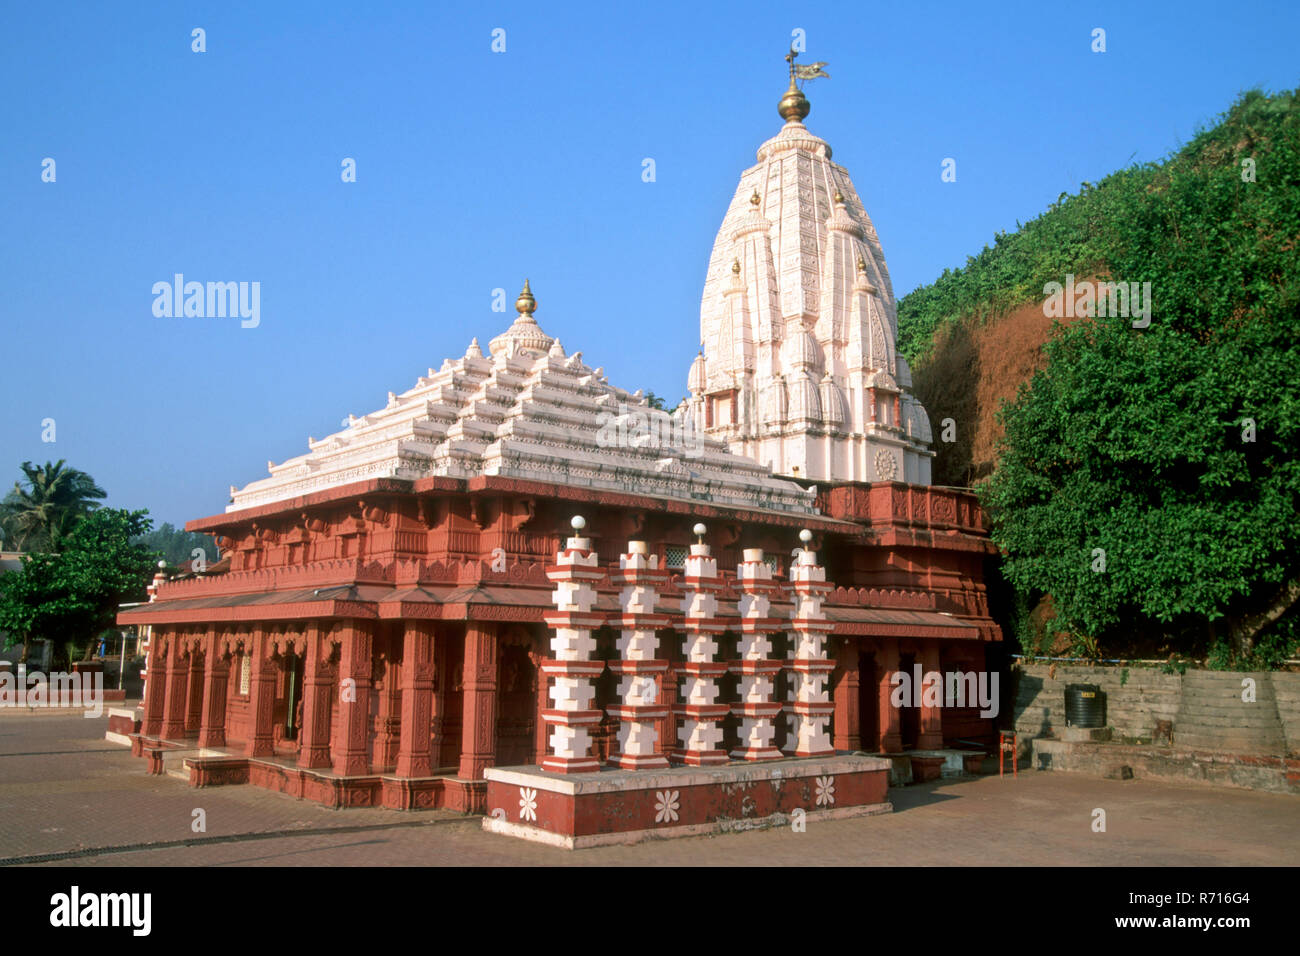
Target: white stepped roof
<point>527,410</point>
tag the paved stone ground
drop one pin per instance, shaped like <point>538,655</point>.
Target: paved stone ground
<point>64,790</point>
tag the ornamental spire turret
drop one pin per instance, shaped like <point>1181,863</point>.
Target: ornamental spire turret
<point>799,340</point>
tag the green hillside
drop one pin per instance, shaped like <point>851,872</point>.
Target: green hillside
<point>1191,218</point>
<point>1147,479</point>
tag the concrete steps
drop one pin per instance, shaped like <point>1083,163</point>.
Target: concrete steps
<point>1212,715</point>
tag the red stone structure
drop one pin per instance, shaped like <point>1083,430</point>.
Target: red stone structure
<point>382,643</point>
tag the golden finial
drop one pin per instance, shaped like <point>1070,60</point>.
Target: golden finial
<point>755,199</point>
<point>735,267</point>
<point>862,264</point>
<point>526,304</point>
<point>794,106</point>
<point>839,199</point>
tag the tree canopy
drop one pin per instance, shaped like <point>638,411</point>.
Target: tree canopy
<point>42,509</point>
<point>73,594</point>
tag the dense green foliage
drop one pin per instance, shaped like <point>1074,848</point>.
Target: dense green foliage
<point>1098,227</point>
<point>72,595</point>
<point>1171,448</point>
<point>176,545</point>
<point>42,509</point>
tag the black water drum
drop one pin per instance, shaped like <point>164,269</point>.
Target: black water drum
<point>1085,706</point>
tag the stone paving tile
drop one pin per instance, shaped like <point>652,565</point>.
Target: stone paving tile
<point>1036,819</point>
<point>101,796</point>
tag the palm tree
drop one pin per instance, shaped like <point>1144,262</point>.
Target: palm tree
<point>38,514</point>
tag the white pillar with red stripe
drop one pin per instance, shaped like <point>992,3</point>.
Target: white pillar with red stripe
<point>811,666</point>
<point>576,572</point>
<point>757,708</point>
<point>641,577</point>
<point>700,735</point>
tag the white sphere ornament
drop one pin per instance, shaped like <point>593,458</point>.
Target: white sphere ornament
<point>699,530</point>
<point>805,535</point>
<point>578,522</point>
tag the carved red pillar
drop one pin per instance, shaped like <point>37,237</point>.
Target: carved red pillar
<point>194,704</point>
<point>441,681</point>
<point>317,687</point>
<point>261,742</point>
<point>931,735</point>
<point>216,676</point>
<point>891,737</point>
<point>352,755</point>
<point>388,716</point>
<point>479,724</point>
<point>848,718</point>
<point>178,675</point>
<point>413,751</point>
<point>155,685</point>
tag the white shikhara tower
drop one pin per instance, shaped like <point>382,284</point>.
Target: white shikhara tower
<point>799,367</point>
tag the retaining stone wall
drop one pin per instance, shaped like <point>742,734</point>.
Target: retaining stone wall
<point>1204,707</point>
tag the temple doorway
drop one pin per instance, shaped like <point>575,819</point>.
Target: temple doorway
<point>604,735</point>
<point>516,697</point>
<point>449,686</point>
<point>868,703</point>
<point>293,675</point>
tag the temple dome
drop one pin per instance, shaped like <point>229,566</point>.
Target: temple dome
<point>695,381</point>
<point>524,333</point>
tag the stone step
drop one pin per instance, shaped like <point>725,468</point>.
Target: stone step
<point>1201,695</point>
<point>1228,710</point>
<point>1226,691</point>
<point>1229,744</point>
<point>1229,703</point>
<point>1244,712</point>
<point>1229,720</point>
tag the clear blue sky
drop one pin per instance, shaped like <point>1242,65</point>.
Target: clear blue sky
<point>476,169</point>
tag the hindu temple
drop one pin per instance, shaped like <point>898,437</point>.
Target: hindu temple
<point>517,589</point>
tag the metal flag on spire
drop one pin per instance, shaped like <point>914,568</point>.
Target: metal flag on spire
<point>805,71</point>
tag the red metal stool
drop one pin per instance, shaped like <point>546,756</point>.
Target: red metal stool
<point>1007,744</point>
